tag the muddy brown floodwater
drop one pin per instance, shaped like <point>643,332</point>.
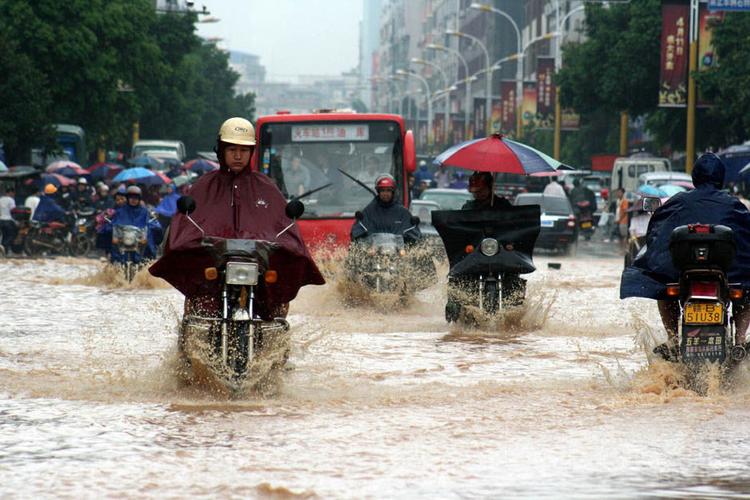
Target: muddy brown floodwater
<point>377,403</point>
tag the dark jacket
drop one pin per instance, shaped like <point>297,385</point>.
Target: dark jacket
<point>706,204</point>
<point>392,218</point>
<point>495,203</point>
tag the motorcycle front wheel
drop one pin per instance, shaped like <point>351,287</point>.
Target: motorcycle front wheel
<point>490,299</point>
<point>80,246</point>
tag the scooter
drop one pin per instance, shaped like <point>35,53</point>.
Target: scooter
<point>384,262</point>
<point>236,344</point>
<point>703,255</point>
<point>487,251</point>
<point>585,219</point>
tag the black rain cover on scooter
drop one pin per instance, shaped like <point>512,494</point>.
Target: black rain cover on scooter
<point>518,225</point>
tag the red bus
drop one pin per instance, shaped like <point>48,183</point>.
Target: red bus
<point>302,152</point>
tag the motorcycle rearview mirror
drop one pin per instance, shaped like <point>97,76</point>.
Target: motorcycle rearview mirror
<point>358,215</point>
<point>650,204</point>
<point>186,205</point>
<point>295,209</point>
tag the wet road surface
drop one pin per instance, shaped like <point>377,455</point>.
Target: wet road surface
<point>377,402</point>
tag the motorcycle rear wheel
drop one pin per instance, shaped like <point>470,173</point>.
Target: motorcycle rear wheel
<point>30,247</point>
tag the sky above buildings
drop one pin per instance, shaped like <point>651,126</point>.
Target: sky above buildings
<point>292,37</point>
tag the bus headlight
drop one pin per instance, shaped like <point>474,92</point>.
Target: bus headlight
<point>242,273</point>
<point>489,246</point>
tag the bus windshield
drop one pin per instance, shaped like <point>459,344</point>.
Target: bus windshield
<point>304,156</point>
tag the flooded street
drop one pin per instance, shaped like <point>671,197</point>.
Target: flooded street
<point>375,403</point>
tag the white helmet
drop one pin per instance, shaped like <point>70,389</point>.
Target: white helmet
<point>237,131</point>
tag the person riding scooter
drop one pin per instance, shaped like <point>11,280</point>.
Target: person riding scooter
<point>134,214</point>
<point>482,188</point>
<point>235,202</point>
<point>384,215</point>
<point>653,269</point>
<point>48,210</point>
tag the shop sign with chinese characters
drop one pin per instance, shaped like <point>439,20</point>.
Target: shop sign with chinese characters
<point>729,5</point>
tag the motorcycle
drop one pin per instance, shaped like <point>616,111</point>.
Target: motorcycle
<point>585,214</point>
<point>84,234</point>
<point>383,262</point>
<point>236,345</point>
<point>129,243</point>
<point>487,250</point>
<point>703,254</point>
<point>54,237</point>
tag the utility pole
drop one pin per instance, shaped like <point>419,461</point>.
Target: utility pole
<point>692,67</point>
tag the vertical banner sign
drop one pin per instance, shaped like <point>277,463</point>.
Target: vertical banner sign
<point>528,106</point>
<point>508,106</point>
<point>674,54</point>
<point>479,125</point>
<point>437,129</point>
<point>422,132</point>
<point>458,131</point>
<point>545,97</point>
<point>496,116</point>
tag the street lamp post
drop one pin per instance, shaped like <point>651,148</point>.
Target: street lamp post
<point>447,111</point>
<point>468,80</point>
<point>488,76</point>
<point>426,84</point>
<point>558,64</point>
<point>519,65</point>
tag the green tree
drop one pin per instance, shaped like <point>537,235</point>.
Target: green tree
<point>727,85</point>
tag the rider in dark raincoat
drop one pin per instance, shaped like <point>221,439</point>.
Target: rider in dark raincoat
<point>706,204</point>
<point>384,215</point>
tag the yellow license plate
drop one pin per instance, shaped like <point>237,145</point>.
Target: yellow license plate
<point>586,225</point>
<point>704,313</point>
<point>81,229</point>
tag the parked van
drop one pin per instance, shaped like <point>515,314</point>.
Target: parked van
<point>627,170</point>
<point>141,147</point>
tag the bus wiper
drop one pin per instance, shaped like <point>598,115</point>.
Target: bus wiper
<point>312,191</point>
<point>359,182</point>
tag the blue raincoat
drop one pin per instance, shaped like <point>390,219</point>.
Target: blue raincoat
<point>138,217</point>
<point>48,210</point>
<point>706,204</point>
<point>168,205</point>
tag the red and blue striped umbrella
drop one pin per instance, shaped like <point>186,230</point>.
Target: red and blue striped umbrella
<point>499,154</point>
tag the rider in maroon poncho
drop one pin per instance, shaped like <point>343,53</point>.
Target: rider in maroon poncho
<point>234,202</point>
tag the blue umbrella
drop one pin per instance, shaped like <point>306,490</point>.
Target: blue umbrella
<point>133,174</point>
<point>145,161</point>
<point>647,190</point>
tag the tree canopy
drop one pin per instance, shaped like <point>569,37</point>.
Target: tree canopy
<point>105,64</point>
<point>623,44</point>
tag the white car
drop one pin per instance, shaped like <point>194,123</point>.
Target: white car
<point>659,178</point>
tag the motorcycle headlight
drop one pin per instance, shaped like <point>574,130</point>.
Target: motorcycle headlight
<point>128,239</point>
<point>242,273</point>
<point>489,247</point>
